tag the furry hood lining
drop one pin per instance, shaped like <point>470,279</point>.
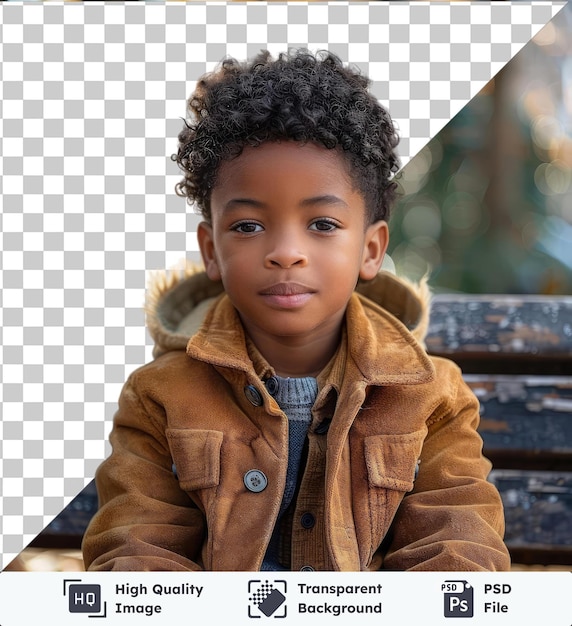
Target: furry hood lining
<point>177,301</point>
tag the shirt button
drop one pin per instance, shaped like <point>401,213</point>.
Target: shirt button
<point>307,568</point>
<point>255,481</point>
<point>307,520</point>
<point>253,395</point>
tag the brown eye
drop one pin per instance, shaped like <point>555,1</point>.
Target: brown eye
<point>323,226</point>
<point>247,228</point>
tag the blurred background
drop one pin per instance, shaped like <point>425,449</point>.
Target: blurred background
<point>486,206</point>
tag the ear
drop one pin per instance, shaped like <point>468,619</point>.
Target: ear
<point>375,245</point>
<point>207,248</point>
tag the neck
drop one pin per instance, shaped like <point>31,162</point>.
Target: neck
<point>300,358</point>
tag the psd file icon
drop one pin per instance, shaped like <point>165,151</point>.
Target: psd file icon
<point>266,598</point>
<point>458,598</point>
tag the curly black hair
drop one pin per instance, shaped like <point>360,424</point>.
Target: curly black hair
<point>298,96</point>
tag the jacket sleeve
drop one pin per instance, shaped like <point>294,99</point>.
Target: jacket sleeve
<point>453,519</point>
<point>145,522</point>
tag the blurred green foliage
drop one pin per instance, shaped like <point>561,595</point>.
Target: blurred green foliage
<point>486,206</point>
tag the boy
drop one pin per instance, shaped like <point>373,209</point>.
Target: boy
<point>299,426</point>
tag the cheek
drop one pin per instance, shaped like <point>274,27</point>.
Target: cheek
<point>345,258</point>
<point>235,265</point>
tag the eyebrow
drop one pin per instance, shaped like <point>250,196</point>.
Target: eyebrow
<point>325,199</point>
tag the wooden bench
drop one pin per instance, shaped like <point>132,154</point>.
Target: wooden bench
<point>516,354</point>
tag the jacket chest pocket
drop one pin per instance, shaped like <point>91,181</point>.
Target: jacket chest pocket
<point>196,457</point>
<point>391,462</point>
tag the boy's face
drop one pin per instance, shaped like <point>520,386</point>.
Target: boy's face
<point>289,240</point>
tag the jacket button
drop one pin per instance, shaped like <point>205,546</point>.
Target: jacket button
<point>255,481</point>
<point>323,427</point>
<point>272,385</point>
<point>307,520</point>
<point>253,395</point>
<point>307,568</point>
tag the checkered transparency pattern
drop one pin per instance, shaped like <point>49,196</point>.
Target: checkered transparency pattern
<point>91,101</point>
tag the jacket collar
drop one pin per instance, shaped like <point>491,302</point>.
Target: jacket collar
<point>381,348</point>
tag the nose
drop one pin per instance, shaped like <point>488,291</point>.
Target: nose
<point>285,252</point>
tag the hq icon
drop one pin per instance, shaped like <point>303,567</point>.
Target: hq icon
<point>84,598</point>
<point>458,598</point>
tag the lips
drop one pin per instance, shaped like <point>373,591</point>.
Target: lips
<point>287,295</point>
<point>286,289</point>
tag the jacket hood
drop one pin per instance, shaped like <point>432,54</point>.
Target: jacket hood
<point>177,302</point>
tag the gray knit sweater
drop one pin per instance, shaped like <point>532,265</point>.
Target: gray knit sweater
<point>296,397</point>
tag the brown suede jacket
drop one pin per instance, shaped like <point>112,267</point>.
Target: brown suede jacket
<point>394,476</point>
